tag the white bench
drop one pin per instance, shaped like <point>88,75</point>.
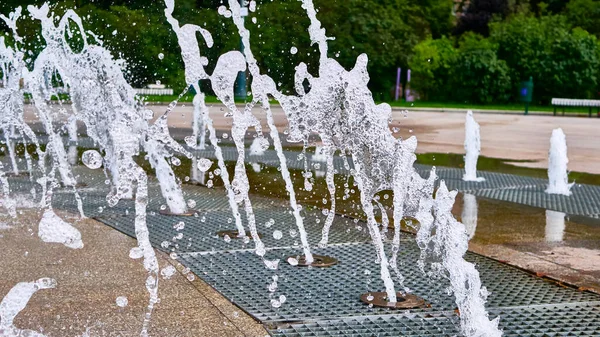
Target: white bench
<point>587,103</point>
<point>154,92</point>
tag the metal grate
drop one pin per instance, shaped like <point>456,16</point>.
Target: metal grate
<point>333,292</point>
<point>585,200</point>
<point>539,321</point>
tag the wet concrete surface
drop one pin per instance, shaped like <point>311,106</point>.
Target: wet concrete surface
<point>90,279</point>
<point>509,136</point>
<point>546,243</point>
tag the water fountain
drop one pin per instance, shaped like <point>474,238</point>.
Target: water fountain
<point>381,162</point>
<point>472,148</point>
<point>557,165</point>
<point>336,108</point>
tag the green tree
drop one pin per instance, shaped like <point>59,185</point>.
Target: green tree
<point>431,64</point>
<point>478,76</point>
<point>563,62</point>
<point>584,14</point>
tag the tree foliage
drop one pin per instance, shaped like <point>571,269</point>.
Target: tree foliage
<point>521,38</point>
<point>137,31</point>
<point>562,61</point>
<point>470,73</point>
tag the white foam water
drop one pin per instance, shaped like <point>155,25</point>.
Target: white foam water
<point>472,148</point>
<point>557,165</point>
<point>15,301</point>
<point>53,229</point>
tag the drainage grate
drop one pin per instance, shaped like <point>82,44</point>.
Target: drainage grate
<point>539,321</point>
<point>585,200</point>
<point>199,231</point>
<point>493,180</point>
<point>334,292</point>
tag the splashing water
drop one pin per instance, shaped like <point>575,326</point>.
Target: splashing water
<point>557,165</point>
<point>336,108</point>
<point>15,301</point>
<point>222,80</point>
<point>443,242</point>
<point>117,122</point>
<point>472,148</point>
<point>339,108</point>
<point>53,229</point>
<point>12,121</point>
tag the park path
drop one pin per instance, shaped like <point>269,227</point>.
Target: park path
<point>509,135</point>
<point>506,135</point>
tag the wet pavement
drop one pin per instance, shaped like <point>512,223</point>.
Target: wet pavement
<point>90,279</point>
<point>547,243</point>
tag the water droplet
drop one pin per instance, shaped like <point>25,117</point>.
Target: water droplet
<point>122,301</point>
<point>272,264</point>
<point>167,272</point>
<point>292,261</point>
<point>277,234</point>
<point>161,56</point>
<point>92,159</point>
<point>136,253</point>
<point>179,226</point>
<point>293,50</point>
<point>191,203</point>
<point>175,161</point>
<point>204,164</point>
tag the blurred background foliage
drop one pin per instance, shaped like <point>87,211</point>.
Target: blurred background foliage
<point>476,51</point>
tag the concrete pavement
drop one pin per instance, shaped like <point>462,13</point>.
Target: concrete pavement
<point>508,135</point>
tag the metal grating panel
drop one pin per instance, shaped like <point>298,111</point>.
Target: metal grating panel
<point>585,200</point>
<point>333,292</point>
<point>539,321</point>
